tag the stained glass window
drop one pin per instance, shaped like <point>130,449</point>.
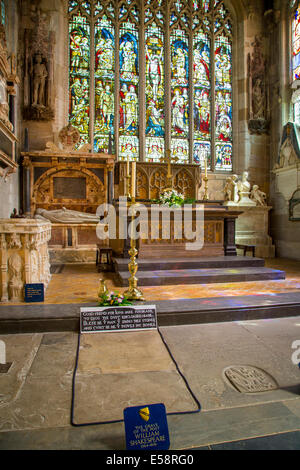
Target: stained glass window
<point>79,100</point>
<point>2,12</point>
<point>296,44</point>
<point>124,88</point>
<point>223,104</point>
<point>104,82</point>
<point>129,79</point>
<point>155,123</point>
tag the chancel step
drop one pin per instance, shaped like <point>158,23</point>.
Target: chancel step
<point>200,276</point>
<point>121,264</point>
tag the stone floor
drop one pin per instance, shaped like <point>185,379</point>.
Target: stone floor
<point>80,283</point>
<point>35,394</point>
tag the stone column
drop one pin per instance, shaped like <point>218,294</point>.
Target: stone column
<point>24,256</point>
<point>26,187</point>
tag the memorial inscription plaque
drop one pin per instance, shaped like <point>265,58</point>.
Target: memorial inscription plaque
<point>127,318</point>
<point>69,188</point>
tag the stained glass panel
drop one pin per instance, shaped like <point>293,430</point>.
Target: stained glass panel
<point>202,152</point>
<point>180,149</point>
<point>2,12</point>
<point>129,79</point>
<point>104,83</point>
<point>296,45</point>
<point>155,149</point>
<point>128,148</point>
<point>223,104</point>
<point>79,31</point>
<point>179,91</point>
<point>155,124</point>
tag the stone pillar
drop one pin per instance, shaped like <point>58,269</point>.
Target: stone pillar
<point>24,257</point>
<point>26,187</point>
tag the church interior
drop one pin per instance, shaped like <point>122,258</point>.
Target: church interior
<point>156,118</point>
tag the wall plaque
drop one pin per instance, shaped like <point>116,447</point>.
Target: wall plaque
<point>127,318</point>
<point>34,293</point>
<point>69,188</point>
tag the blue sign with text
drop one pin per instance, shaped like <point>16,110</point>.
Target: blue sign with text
<point>146,427</point>
<point>34,293</point>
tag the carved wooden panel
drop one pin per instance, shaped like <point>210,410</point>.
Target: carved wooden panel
<point>152,179</point>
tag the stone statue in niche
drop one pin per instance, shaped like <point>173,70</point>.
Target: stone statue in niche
<point>39,76</point>
<point>258,102</point>
<point>38,68</point>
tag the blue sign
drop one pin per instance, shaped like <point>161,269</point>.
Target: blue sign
<point>146,427</point>
<point>34,293</point>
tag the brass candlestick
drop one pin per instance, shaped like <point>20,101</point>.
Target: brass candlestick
<point>205,196</point>
<point>127,186</point>
<point>133,292</point>
<point>169,160</point>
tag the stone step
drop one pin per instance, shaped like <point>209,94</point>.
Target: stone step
<point>200,276</point>
<point>121,264</point>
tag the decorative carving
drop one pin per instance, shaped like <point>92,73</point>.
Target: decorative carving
<point>141,184</point>
<point>15,274</point>
<point>158,182</point>
<point>184,183</point>
<point>38,68</point>
<point>152,179</point>
<point>258,103</point>
<point>14,241</point>
<point>69,136</point>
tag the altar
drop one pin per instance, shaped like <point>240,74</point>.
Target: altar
<point>218,232</point>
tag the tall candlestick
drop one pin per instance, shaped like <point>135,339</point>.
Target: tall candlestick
<point>133,176</point>
<point>205,165</point>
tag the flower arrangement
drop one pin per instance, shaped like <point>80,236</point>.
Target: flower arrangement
<point>172,197</point>
<point>113,299</point>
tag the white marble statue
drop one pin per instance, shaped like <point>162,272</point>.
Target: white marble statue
<point>66,216</point>
<point>237,192</point>
<point>244,188</point>
<point>231,191</point>
<point>258,196</point>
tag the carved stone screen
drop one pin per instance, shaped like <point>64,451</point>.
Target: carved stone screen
<point>69,188</point>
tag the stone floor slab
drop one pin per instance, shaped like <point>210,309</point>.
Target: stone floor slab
<point>124,352</point>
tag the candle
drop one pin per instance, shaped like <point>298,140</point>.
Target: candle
<point>133,172</point>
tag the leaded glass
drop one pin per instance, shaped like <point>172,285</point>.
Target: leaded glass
<point>104,83</point>
<point>106,103</point>
<point>129,79</point>
<point>223,103</point>
<point>179,90</point>
<point>180,150</point>
<point>296,45</point>
<point>2,12</point>
<point>79,110</point>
